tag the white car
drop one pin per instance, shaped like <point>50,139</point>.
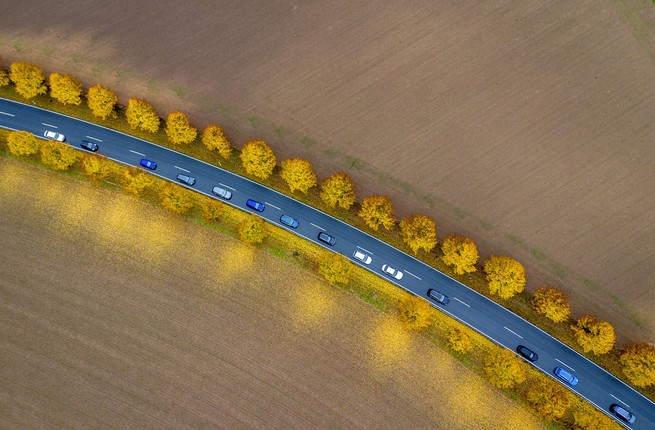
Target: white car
<point>397,274</point>
<point>53,135</point>
<point>364,258</point>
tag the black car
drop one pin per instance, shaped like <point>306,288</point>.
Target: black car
<point>438,297</point>
<point>324,237</point>
<point>527,353</point>
<point>89,146</point>
<point>622,413</point>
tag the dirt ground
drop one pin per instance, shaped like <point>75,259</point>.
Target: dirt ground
<point>115,314</point>
<point>526,125</point>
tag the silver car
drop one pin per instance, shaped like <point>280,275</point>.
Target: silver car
<point>53,135</point>
<point>394,273</point>
<point>363,257</point>
<point>222,193</point>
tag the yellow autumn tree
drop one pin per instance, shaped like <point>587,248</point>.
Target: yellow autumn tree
<point>335,268</point>
<point>419,232</point>
<point>252,229</point>
<point>136,181</point>
<point>212,210</point>
<point>178,129</point>
<point>28,79</point>
<point>503,368</point>
<point>298,174</point>
<point>506,276</point>
<point>58,155</point>
<point>416,313</point>
<point>176,199</point>
<point>552,303</point>
<point>594,336</point>
<point>4,76</point>
<point>377,211</point>
<point>338,189</point>
<point>586,417</point>
<point>96,167</point>
<point>140,114</point>
<point>101,101</point>
<point>214,139</point>
<point>548,398</point>
<point>65,89</point>
<point>638,363</point>
<point>258,159</point>
<point>23,143</point>
<point>459,341</point>
<point>460,253</point>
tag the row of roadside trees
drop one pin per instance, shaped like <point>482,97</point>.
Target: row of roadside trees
<point>505,276</point>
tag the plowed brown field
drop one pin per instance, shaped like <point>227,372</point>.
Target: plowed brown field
<point>527,125</point>
<point>114,314</point>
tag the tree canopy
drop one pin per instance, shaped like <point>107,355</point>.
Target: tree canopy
<point>4,76</point>
<point>28,79</point>
<point>57,155</point>
<point>552,303</point>
<point>135,181</point>
<point>415,312</point>
<point>459,341</point>
<point>140,114</point>
<point>419,232</point>
<point>23,143</point>
<point>214,139</point>
<point>298,174</point>
<point>176,199</point>
<point>178,129</point>
<point>338,189</point>
<point>258,159</point>
<point>377,211</point>
<point>505,275</point>
<point>252,229</point>
<point>96,167</point>
<point>65,89</point>
<point>548,398</point>
<point>460,253</point>
<point>593,335</point>
<point>101,101</point>
<point>639,364</point>
<point>504,369</point>
<point>336,269</point>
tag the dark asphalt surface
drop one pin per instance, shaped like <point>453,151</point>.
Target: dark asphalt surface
<point>497,323</point>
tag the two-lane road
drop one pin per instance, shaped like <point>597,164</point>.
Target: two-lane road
<point>502,326</point>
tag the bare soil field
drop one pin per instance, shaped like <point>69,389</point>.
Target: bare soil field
<point>526,125</point>
<point>115,314</point>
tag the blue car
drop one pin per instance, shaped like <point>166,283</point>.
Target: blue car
<point>566,376</point>
<point>148,164</point>
<point>259,207</point>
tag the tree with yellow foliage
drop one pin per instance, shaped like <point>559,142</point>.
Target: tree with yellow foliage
<point>96,167</point>
<point>57,155</point>
<point>140,114</point>
<point>28,79</point>
<point>214,139</point>
<point>503,368</point>
<point>101,101</point>
<point>419,231</point>
<point>415,312</point>
<point>460,253</point>
<point>298,174</point>
<point>336,269</point>
<point>258,159</point>
<point>594,336</point>
<point>136,181</point>
<point>23,143</point>
<point>212,210</point>
<point>377,211</point>
<point>586,417</point>
<point>176,199</point>
<point>552,303</point>
<point>506,276</point>
<point>178,129</point>
<point>639,364</point>
<point>65,89</point>
<point>4,76</point>
<point>338,189</point>
<point>459,341</point>
<point>548,398</point>
<point>252,229</point>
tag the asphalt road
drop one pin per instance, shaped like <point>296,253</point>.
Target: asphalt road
<point>492,320</point>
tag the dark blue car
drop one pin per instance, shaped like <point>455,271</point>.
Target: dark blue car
<point>259,207</point>
<point>148,164</point>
